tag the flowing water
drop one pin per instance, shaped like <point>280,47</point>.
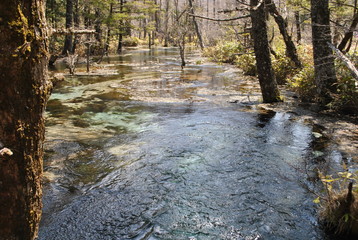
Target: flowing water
<point>140,149</point>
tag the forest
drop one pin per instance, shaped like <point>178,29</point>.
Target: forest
<point>178,119</point>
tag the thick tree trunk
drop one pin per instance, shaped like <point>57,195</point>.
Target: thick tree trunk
<point>291,51</point>
<point>325,74</point>
<point>68,47</point>
<point>270,92</point>
<point>196,26</point>
<point>24,92</point>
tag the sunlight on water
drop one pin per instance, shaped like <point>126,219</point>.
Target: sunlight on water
<point>154,152</point>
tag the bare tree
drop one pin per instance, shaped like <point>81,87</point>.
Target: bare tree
<point>269,89</point>
<point>196,26</point>
<point>291,50</point>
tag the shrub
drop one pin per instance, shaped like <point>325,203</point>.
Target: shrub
<point>303,84</point>
<point>283,68</point>
<point>339,207</point>
<point>225,52</point>
<point>130,41</point>
<point>346,99</point>
<point>247,62</point>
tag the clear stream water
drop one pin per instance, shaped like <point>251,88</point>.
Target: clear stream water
<point>144,150</point>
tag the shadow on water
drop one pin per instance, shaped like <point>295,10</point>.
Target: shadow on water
<point>159,153</point>
<point>264,117</point>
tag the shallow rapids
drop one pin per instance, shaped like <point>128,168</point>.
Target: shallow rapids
<point>148,151</point>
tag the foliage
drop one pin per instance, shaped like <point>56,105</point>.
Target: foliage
<point>339,207</point>
<point>346,99</point>
<point>131,41</point>
<point>303,83</point>
<point>283,67</point>
<point>225,52</point>
<point>247,63</point>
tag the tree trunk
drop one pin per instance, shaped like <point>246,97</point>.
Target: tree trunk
<point>150,35</point>
<point>76,20</point>
<point>68,47</point>
<point>25,90</point>
<point>182,51</point>
<point>106,47</point>
<point>291,51</point>
<point>166,22</point>
<point>121,29</point>
<point>298,27</point>
<point>157,17</point>
<point>144,28</point>
<point>196,26</point>
<point>325,74</point>
<point>98,26</point>
<point>270,92</point>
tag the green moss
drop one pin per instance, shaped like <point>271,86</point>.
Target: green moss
<point>21,26</point>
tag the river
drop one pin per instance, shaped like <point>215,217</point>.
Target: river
<point>140,149</point>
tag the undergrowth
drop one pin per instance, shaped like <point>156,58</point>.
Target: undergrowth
<point>224,51</point>
<point>339,204</point>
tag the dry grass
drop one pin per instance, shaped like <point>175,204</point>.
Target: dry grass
<point>340,213</point>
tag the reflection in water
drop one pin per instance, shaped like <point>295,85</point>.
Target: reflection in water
<point>264,117</point>
<point>159,153</point>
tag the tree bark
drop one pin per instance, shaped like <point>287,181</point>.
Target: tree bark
<point>291,50</point>
<point>269,89</point>
<point>196,26</point>
<point>76,20</point>
<point>25,91</point>
<point>325,74</point>
<point>68,46</point>
<point>157,17</point>
<point>98,26</point>
<point>121,29</point>
<point>298,27</point>
<point>166,23</point>
<point>106,47</point>
<point>182,51</point>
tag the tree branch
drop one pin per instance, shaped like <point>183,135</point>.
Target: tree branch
<point>71,31</point>
<point>233,10</point>
<point>220,20</point>
<point>346,62</point>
